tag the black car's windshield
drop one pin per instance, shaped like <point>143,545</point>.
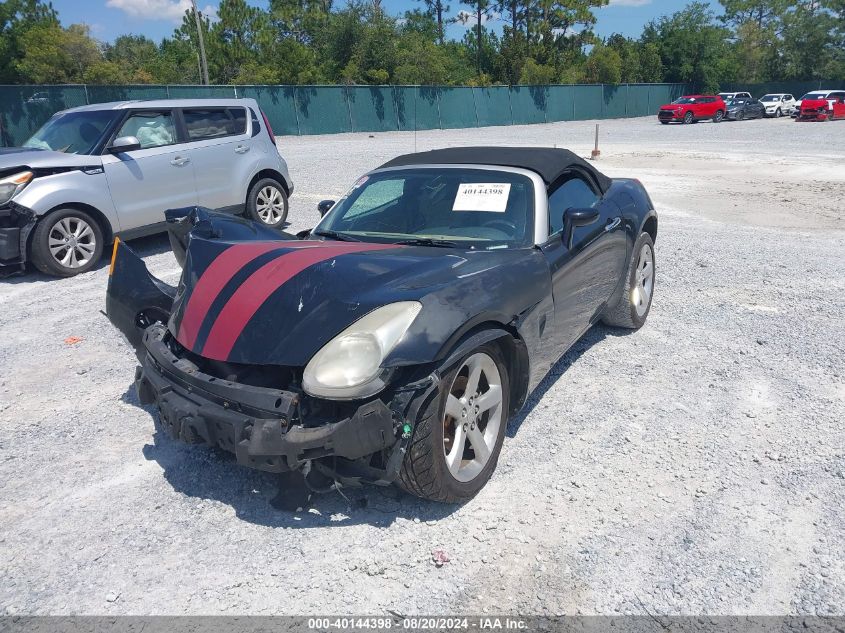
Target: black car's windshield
<point>685,101</point>
<point>72,132</point>
<point>442,207</point>
<point>735,102</point>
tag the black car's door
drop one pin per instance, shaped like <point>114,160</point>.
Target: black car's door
<point>586,271</point>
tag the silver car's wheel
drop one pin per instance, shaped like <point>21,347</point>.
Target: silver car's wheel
<point>269,205</point>
<point>641,293</point>
<point>472,417</point>
<point>67,242</point>
<point>72,242</point>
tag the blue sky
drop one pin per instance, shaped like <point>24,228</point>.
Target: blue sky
<point>157,18</point>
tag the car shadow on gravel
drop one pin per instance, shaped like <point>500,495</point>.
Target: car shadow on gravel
<point>594,335</point>
<point>143,247</point>
<point>213,474</point>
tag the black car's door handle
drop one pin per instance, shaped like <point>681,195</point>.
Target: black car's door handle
<point>612,224</point>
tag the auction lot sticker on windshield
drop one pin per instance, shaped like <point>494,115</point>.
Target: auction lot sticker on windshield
<point>482,196</point>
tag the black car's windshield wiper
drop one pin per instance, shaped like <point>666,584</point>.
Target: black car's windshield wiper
<point>334,235</point>
<point>427,241</point>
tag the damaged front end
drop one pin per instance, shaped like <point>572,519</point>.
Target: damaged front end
<point>16,223</point>
<point>260,413</point>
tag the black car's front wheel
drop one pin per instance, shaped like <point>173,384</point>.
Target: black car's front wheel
<point>632,310</point>
<point>458,434</point>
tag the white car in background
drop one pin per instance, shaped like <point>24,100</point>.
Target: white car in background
<point>810,96</point>
<point>778,104</point>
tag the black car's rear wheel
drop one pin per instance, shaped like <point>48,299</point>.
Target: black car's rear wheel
<point>632,310</point>
<point>459,433</point>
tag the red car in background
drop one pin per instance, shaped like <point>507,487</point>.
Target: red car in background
<point>820,107</point>
<point>692,108</point>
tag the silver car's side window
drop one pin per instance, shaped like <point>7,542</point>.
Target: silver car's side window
<point>152,129</point>
<point>210,123</point>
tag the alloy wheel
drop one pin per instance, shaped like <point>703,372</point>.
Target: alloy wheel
<point>473,417</point>
<point>72,242</point>
<point>643,280</point>
<point>270,205</point>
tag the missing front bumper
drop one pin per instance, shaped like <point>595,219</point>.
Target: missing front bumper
<point>259,425</point>
<point>16,223</point>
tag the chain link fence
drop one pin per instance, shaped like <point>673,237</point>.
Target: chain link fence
<point>299,110</point>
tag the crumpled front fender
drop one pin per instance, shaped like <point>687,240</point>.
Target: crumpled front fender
<point>134,298</point>
<point>202,222</point>
<point>16,223</point>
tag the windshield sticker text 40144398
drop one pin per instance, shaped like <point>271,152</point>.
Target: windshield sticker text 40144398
<point>482,196</point>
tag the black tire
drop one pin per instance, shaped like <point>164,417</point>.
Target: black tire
<point>665,122</point>
<point>689,117</point>
<point>425,472</point>
<point>778,113</point>
<point>740,116</point>
<point>270,192</point>
<point>719,116</point>
<point>52,229</point>
<point>626,313</point>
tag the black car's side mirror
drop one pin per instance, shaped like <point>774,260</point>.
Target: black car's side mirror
<point>575,217</point>
<point>124,144</point>
<point>323,206</point>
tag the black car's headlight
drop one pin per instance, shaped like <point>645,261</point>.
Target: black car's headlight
<point>349,366</point>
<point>11,185</point>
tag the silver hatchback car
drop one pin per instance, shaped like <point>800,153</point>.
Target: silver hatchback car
<point>112,169</point>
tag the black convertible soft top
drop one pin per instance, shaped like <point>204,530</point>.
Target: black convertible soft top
<point>550,163</point>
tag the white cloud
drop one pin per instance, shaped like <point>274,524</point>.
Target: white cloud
<point>172,10</point>
<point>628,3</point>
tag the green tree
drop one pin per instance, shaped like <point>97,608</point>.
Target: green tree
<point>437,9</point>
<point>693,47</point>
<point>134,57</point>
<point>16,18</point>
<point>537,74</point>
<point>56,55</point>
<point>603,66</point>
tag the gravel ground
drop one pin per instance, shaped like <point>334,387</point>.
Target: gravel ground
<point>696,466</point>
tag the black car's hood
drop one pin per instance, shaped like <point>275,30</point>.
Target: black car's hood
<point>273,302</point>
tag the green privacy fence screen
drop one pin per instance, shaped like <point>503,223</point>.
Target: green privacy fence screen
<point>294,110</point>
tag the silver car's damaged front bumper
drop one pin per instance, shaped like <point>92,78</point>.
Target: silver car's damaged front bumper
<point>16,224</point>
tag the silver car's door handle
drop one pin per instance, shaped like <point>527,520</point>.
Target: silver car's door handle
<point>613,224</point>
<point>241,149</point>
<point>179,161</point>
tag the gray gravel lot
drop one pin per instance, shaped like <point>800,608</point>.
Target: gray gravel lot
<point>696,466</point>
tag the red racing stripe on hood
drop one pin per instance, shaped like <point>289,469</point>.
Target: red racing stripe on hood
<point>258,287</point>
<point>225,266</point>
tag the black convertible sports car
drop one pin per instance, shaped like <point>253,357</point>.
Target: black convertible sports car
<point>394,341</point>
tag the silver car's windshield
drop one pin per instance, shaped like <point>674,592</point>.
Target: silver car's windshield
<point>73,132</point>
<point>472,208</point>
<point>771,98</point>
